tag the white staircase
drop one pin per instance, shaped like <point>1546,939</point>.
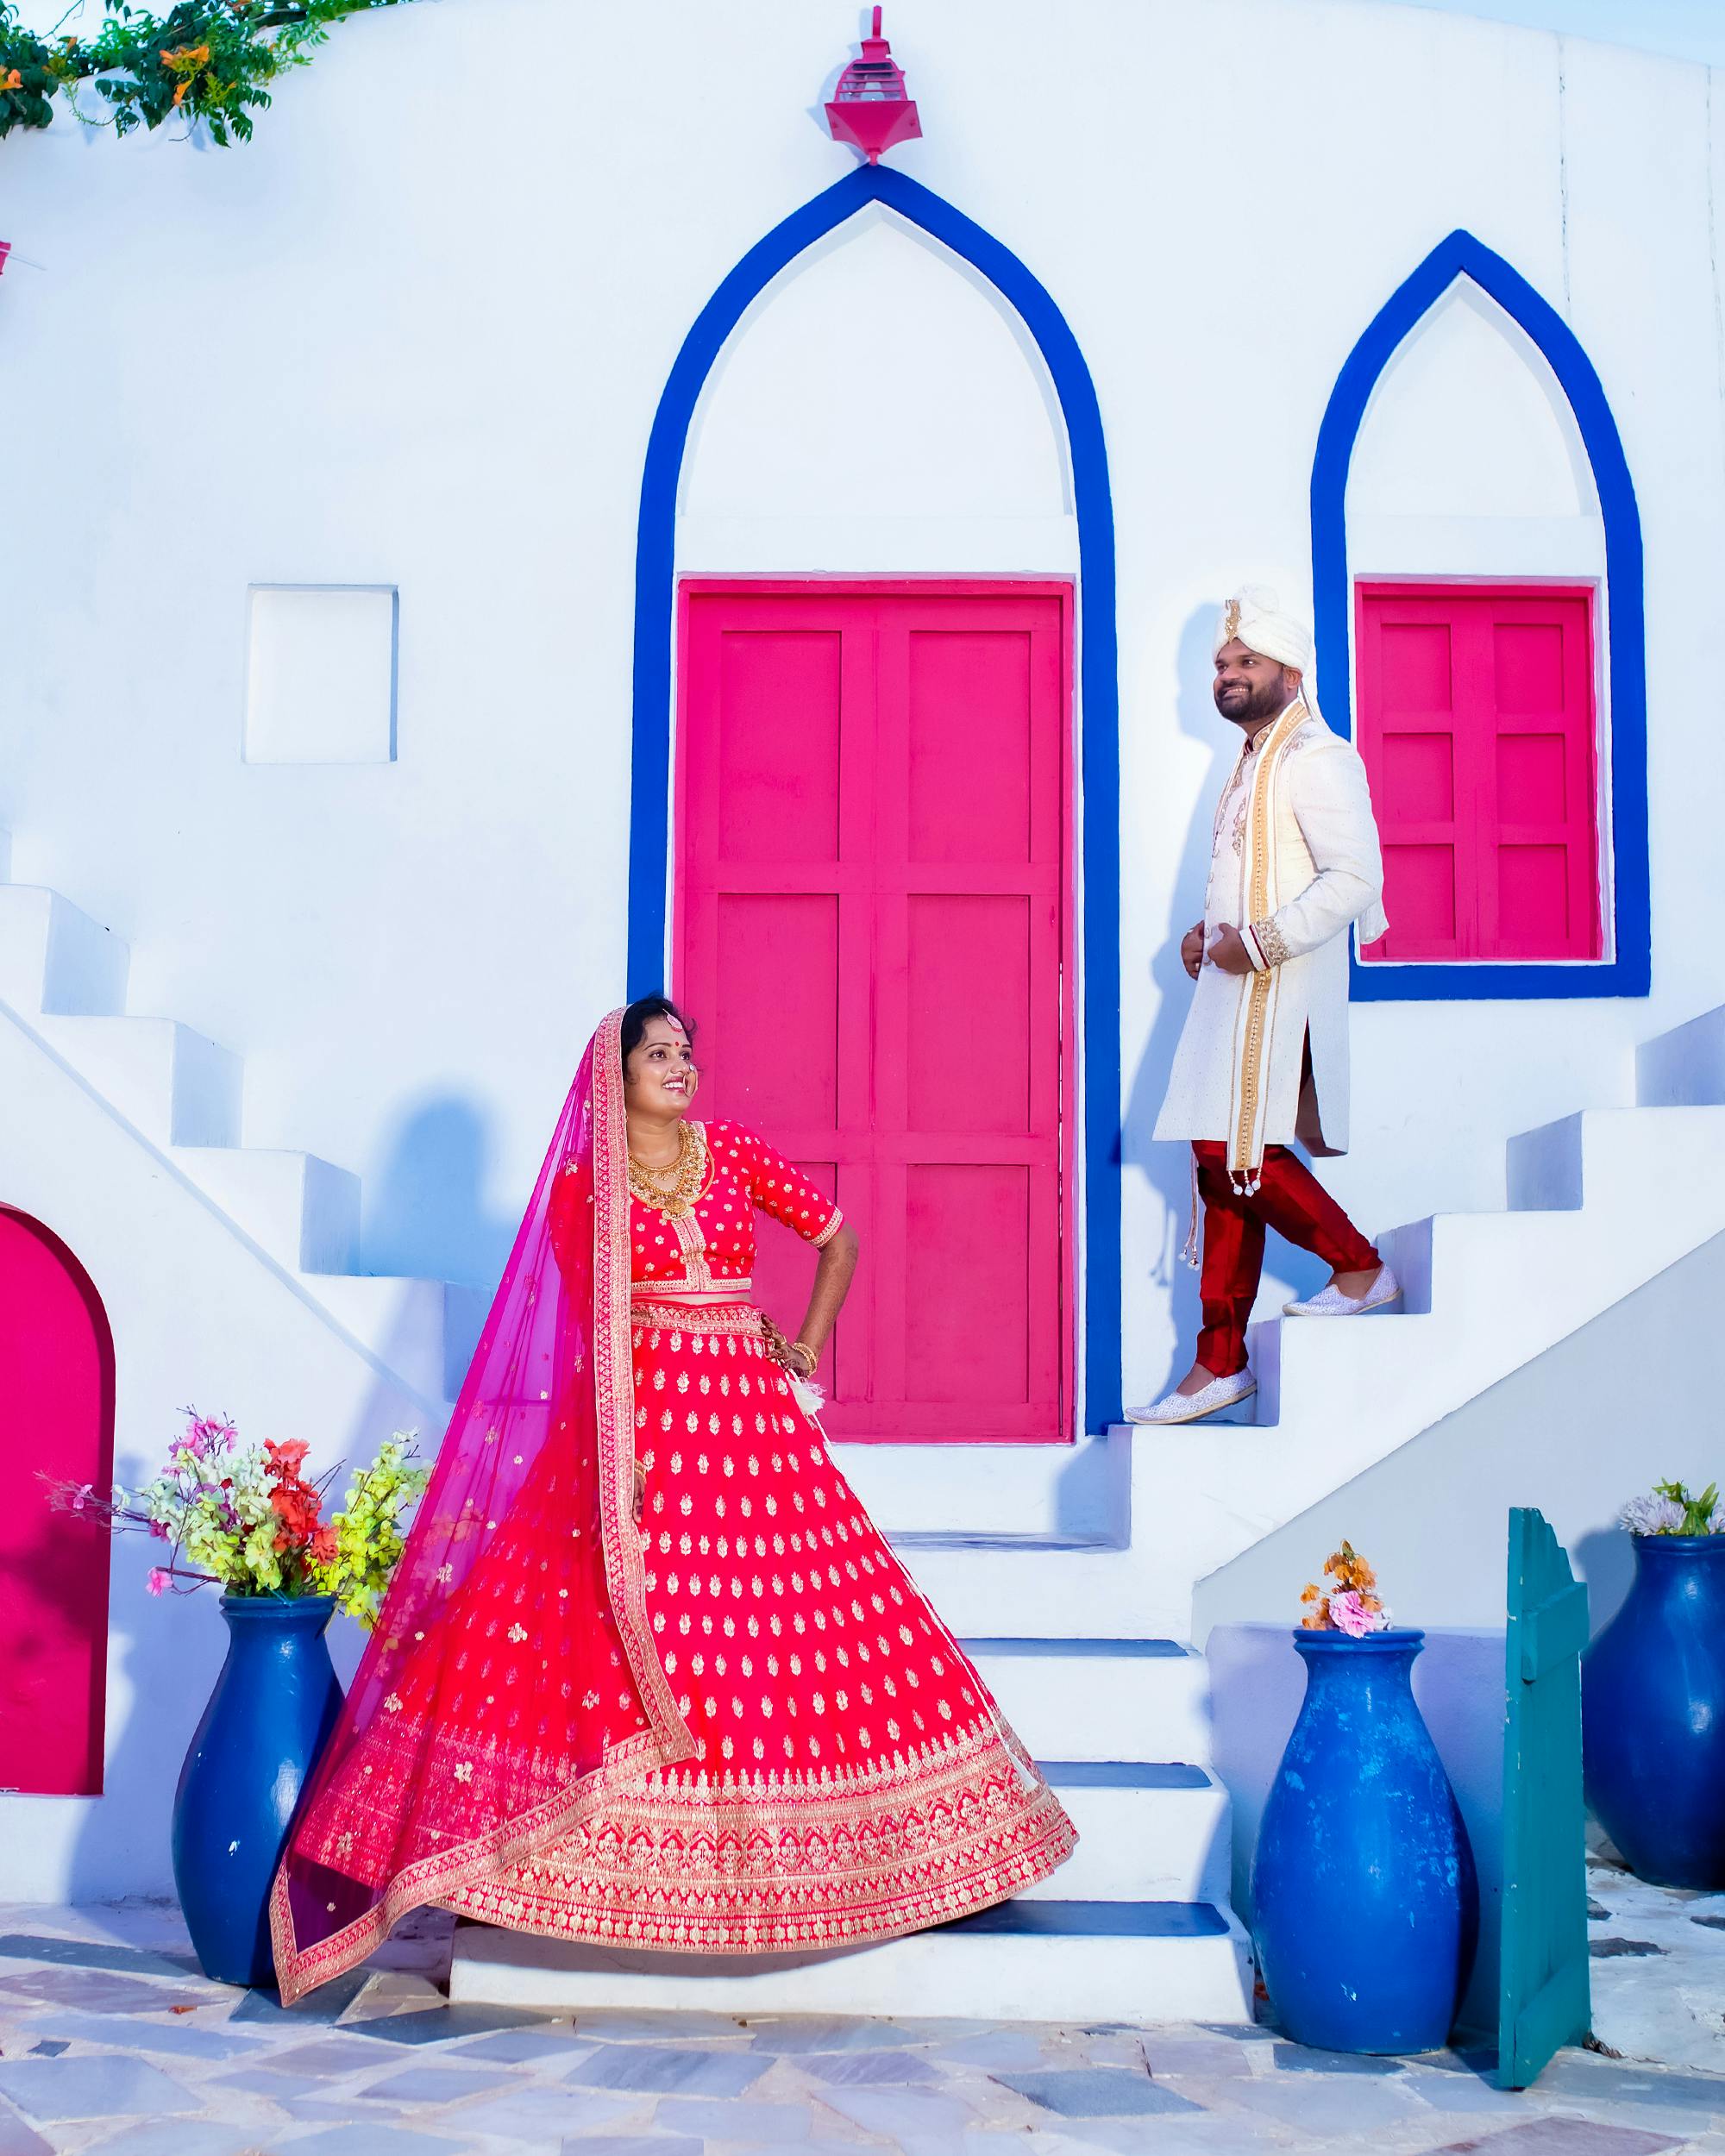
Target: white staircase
<point>1134,1927</point>
<point>1094,1552</point>
<point>63,985</point>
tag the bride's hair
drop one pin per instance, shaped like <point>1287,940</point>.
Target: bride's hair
<point>635,1019</point>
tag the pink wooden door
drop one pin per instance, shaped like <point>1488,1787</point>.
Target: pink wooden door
<point>1477,725</point>
<point>56,1416</point>
<point>872,918</point>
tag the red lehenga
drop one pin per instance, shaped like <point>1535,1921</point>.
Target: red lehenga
<point>731,1725</point>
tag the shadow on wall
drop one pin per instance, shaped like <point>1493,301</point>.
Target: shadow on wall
<point>426,1215</point>
<point>1168,1167</point>
<point>166,1654</point>
<point>1605,1559</point>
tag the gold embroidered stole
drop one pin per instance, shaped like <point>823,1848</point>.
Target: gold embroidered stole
<point>1255,1017</point>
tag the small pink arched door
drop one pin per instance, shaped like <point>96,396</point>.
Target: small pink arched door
<point>56,1419</point>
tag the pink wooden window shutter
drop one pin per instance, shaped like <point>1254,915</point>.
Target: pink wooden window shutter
<point>1477,728</point>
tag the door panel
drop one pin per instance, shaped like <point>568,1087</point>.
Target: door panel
<point>56,1418</point>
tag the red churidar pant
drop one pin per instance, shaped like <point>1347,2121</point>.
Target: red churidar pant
<point>1290,1200</point>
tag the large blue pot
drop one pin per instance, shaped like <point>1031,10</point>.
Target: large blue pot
<point>1652,1714</point>
<point>274,1704</point>
<point>1365,1904</point>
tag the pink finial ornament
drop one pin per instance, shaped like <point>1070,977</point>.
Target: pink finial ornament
<point>871,110</point>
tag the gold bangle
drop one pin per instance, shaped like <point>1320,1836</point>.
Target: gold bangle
<point>802,1347</point>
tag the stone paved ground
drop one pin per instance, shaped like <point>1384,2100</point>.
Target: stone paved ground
<point>110,2040</point>
<point>1659,1966</point>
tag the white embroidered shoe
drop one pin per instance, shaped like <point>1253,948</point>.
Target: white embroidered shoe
<point>1220,1392</point>
<point>1330,1302</point>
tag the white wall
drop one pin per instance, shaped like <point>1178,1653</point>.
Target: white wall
<point>390,343</point>
<point>197,1315</point>
<point>1469,461</point>
<point>881,408</point>
<point>1595,1421</point>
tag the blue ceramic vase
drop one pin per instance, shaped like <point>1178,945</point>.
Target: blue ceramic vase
<point>274,1706</point>
<point>1365,1905</point>
<point>1652,1714</point>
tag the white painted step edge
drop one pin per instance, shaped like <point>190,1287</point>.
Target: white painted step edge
<point>951,1971</point>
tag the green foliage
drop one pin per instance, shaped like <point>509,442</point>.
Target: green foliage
<point>1697,1512</point>
<point>369,1536</point>
<point>211,60</point>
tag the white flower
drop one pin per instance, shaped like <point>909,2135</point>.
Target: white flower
<point>1652,1516</point>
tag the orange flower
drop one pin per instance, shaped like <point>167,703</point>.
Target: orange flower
<point>13,80</point>
<point>186,60</point>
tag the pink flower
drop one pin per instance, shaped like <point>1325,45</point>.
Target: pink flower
<point>157,1580</point>
<point>207,1434</point>
<point>1349,1614</point>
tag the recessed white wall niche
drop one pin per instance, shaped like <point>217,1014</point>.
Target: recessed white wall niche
<point>321,673</point>
<point>880,410</point>
<point>1469,462</point>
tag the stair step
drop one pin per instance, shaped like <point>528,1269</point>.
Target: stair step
<point>1054,1491</point>
<point>1147,1832</point>
<point>179,1087</point>
<point>1078,1700</point>
<point>303,1210</point>
<point>1125,1773</point>
<point>1684,1068</point>
<point>424,1329</point>
<point>914,1539</point>
<point>54,958</point>
<point>1606,1156</point>
<point>1137,1962</point>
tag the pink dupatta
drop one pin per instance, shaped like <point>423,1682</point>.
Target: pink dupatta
<point>466,1744</point>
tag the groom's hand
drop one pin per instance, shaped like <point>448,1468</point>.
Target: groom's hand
<point>1227,951</point>
<point>1192,949</point>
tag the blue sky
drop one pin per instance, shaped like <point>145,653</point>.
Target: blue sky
<point>1688,29</point>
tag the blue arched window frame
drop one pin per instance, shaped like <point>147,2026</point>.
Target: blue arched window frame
<point>1099,987</point>
<point>1627,971</point>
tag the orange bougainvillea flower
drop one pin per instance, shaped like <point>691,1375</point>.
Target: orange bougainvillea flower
<point>1342,1605</point>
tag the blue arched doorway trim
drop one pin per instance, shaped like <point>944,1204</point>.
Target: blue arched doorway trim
<point>1628,970</point>
<point>649,822</point>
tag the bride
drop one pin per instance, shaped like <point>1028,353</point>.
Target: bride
<point>648,1675</point>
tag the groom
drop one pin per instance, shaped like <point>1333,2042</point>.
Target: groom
<point>1263,1057</point>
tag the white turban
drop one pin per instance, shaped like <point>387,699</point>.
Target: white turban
<point>1255,617</point>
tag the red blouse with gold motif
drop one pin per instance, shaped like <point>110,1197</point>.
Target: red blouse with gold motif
<point>711,1246</point>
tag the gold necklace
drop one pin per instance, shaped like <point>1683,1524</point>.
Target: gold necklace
<point>673,1191</point>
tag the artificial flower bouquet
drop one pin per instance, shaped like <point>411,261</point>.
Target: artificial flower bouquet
<point>245,1518</point>
<point>1349,1603</point>
<point>1672,1511</point>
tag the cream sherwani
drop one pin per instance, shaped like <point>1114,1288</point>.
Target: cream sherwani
<point>1294,865</point>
